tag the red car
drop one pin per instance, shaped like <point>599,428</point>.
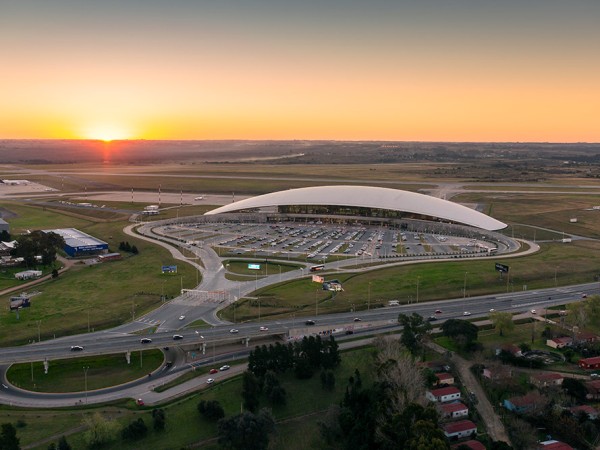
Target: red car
<point>213,371</point>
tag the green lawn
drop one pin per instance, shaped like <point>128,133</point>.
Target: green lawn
<point>68,375</point>
<point>306,402</point>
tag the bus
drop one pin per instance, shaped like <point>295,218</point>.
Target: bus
<point>317,268</point>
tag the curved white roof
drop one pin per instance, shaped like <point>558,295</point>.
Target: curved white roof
<point>369,197</point>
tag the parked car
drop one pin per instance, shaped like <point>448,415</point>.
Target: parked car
<point>76,348</point>
<point>145,340</point>
<point>177,337</point>
<point>139,402</point>
<point>533,311</point>
<point>225,367</point>
<point>181,317</point>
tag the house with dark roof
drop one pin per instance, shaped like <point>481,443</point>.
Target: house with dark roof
<point>593,390</point>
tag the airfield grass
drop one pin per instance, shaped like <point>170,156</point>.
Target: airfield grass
<point>67,375</point>
<point>552,211</point>
<point>577,262</point>
<point>101,295</point>
<point>306,403</point>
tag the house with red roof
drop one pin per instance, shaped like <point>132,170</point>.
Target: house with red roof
<point>460,429</point>
<point>554,445</point>
<point>590,363</point>
<point>546,379</point>
<point>587,409</point>
<point>453,410</point>
<point>444,378</point>
<point>560,342</point>
<point>523,403</point>
<point>472,444</point>
<point>445,394</point>
<point>593,390</point>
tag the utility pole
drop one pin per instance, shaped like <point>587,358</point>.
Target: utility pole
<point>38,327</point>
<point>369,297</point>
<point>465,286</point>
<point>85,370</point>
<point>418,278</point>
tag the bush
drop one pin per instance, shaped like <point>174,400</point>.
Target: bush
<point>211,410</point>
<point>135,430</point>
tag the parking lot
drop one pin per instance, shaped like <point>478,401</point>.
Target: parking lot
<point>318,242</point>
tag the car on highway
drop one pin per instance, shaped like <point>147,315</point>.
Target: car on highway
<point>263,329</point>
<point>225,367</point>
<point>210,381</point>
<point>584,296</point>
<point>211,371</point>
<point>145,340</point>
<point>177,337</point>
<point>310,322</point>
<point>181,317</point>
<point>438,311</point>
<point>466,313</point>
<point>233,331</point>
<point>492,310</point>
<point>357,319</point>
<point>432,318</point>
<point>76,348</point>
<point>533,311</point>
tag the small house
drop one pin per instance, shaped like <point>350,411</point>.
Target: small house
<point>560,342</point>
<point>460,429</point>
<point>590,363</point>
<point>442,395</point>
<point>444,378</point>
<point>546,379</point>
<point>453,410</point>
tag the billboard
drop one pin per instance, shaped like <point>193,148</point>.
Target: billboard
<point>169,269</point>
<point>19,302</point>
<point>317,279</point>
<point>254,266</point>
<point>501,268</point>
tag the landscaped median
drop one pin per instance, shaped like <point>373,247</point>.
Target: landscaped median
<point>72,375</point>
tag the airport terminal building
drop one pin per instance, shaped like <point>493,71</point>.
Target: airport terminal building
<point>78,243</point>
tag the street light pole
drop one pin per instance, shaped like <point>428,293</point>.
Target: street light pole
<point>465,286</point>
<point>555,281</point>
<point>369,297</point>
<point>418,278</point>
<point>38,327</point>
<point>85,370</point>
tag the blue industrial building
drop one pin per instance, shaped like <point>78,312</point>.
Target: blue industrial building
<point>78,243</point>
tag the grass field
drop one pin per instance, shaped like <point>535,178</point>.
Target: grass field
<point>437,280</point>
<point>67,375</point>
<point>306,401</point>
<point>92,297</point>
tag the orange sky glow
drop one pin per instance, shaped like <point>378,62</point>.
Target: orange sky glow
<point>393,72</point>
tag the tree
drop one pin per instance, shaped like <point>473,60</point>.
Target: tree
<point>502,322</point>
<point>63,444</point>
<point>250,391</point>
<point>246,431</point>
<point>134,250</point>
<point>8,437</point>
<point>135,430</point>
<point>52,446</point>
<point>99,431</point>
<point>462,332</point>
<point>158,416</point>
<point>211,410</point>
<point>415,329</point>
<point>39,243</point>
<point>575,388</point>
<point>54,273</point>
<point>278,396</point>
<point>5,236</point>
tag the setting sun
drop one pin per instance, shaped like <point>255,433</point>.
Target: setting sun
<point>106,133</point>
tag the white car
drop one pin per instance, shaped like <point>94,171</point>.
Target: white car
<point>233,331</point>
<point>492,310</point>
<point>263,329</point>
<point>533,311</point>
<point>225,367</point>
<point>466,313</point>
<point>181,317</point>
<point>210,381</point>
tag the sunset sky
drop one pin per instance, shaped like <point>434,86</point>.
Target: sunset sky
<point>451,70</point>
